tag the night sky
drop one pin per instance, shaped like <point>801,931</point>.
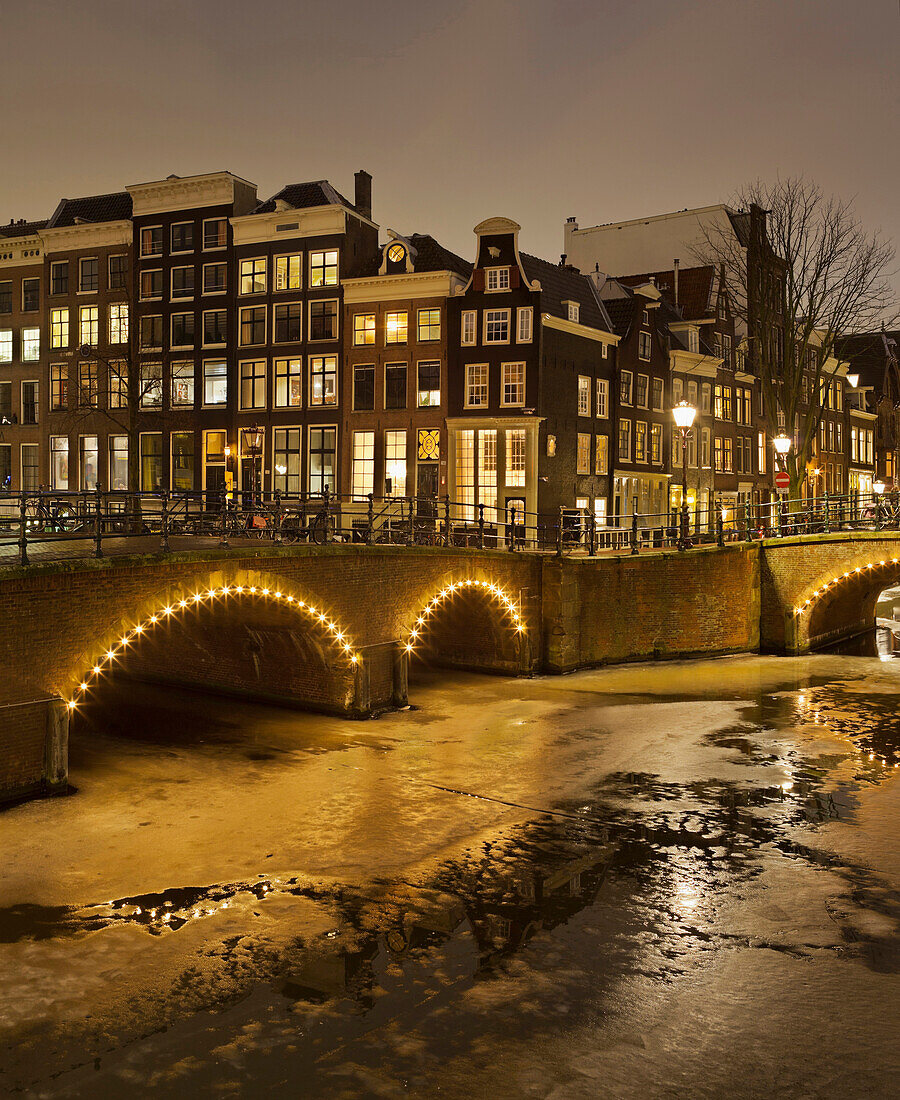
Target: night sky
<point>531,109</point>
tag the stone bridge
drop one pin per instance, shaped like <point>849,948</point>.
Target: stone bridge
<point>333,628</point>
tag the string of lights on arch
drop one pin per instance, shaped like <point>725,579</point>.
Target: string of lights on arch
<point>106,661</point>
<point>850,574</point>
<point>470,584</point>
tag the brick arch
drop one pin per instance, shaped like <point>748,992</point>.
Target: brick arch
<point>106,653</point>
<point>508,639</point>
<point>844,603</point>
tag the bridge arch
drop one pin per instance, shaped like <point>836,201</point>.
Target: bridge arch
<point>444,628</point>
<point>339,660</point>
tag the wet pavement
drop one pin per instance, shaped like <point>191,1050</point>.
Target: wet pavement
<point>676,880</point>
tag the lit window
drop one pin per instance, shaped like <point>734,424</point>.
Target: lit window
<point>6,345</point>
<point>151,461</point>
<point>640,441</point>
<point>183,461</point>
<point>118,323</point>
<point>323,268</point>
<point>118,462</point>
<point>323,380</point>
<point>584,395</point>
<point>289,272</point>
<point>288,383</point>
<point>215,382</point>
<point>476,385</point>
<point>59,328</point>
<point>515,457</point>
<point>151,385</point>
<point>253,384</point>
<point>88,389</point>
<point>656,443</point>
<point>59,462</point>
<point>363,464</point>
<point>395,328</point>
<point>322,447</point>
<point>624,440</point>
<point>395,463</point>
<point>429,324</point>
<point>601,455</point>
<point>183,384</point>
<point>89,326</point>
<point>429,384</point>
<point>253,275</point>
<point>59,386</point>
<point>583,454</point>
<point>286,451</point>
<point>363,329</point>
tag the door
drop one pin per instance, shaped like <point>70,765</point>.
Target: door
<point>515,520</point>
<point>426,488</point>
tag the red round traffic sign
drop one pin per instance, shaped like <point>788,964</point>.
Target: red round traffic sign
<point>782,480</point>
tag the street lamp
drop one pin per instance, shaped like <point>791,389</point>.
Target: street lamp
<point>253,446</point>
<point>782,444</point>
<point>878,487</point>
<point>684,414</point>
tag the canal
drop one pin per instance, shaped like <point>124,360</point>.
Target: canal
<point>659,880</point>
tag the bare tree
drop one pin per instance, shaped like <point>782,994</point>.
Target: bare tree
<point>801,273</point>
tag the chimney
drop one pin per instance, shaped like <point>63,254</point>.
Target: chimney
<point>363,194</point>
<point>675,264</point>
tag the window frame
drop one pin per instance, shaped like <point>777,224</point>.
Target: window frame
<point>487,322</point>
<point>516,404</point>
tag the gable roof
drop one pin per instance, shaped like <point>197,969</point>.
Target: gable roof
<point>301,196</point>
<point>566,284</point>
<point>432,256</point>
<point>869,354</point>
<point>93,208</point>
<point>695,288</point>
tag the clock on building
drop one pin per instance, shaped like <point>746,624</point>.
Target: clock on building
<point>396,253</point>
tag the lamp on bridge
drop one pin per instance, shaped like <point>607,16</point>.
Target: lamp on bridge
<point>684,414</point>
<point>253,446</point>
<point>782,444</point>
<point>878,487</point>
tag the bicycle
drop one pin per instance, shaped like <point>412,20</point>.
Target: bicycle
<point>58,517</point>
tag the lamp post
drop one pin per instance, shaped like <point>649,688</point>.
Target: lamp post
<point>253,447</point>
<point>684,414</point>
<point>782,444</point>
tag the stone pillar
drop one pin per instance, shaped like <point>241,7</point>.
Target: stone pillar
<point>401,675</point>
<point>55,778</point>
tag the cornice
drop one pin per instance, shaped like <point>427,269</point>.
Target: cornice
<point>574,328</point>
<point>314,221</point>
<point>423,284</point>
<point>21,251</point>
<point>162,196</point>
<point>86,235</point>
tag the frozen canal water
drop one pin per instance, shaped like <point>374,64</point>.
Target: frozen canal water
<point>675,880</point>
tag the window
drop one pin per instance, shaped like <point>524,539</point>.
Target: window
<point>215,382</point>
<point>286,456</point>
<point>364,387</point>
<point>183,384</point>
<point>215,279</point>
<point>476,385</point>
<point>151,284</point>
<point>465,471</point>
<point>468,327</point>
<point>215,233</point>
<point>584,395</point>
<point>5,297</point>
<point>6,343</point>
<point>601,455</point>
<point>31,345</point>
<point>288,323</point>
<point>151,461</point>
<point>89,326</point>
<point>5,406</point>
<point>428,388</point>
<point>59,386</point>
<point>59,277</point>
<point>704,447</point>
<point>496,278</point>
<point>88,391</point>
<point>253,325</point>
<point>151,331</point>
<point>640,441</point>
<point>323,320</point>
<point>289,272</point>
<point>59,462</point>
<point>323,268</point>
<point>726,353</point>
<point>253,275</point>
<point>644,346</point>
<point>428,443</point>
<point>117,270</point>
<point>321,458</point>
<point>395,463</point>
<point>29,402</point>
<point>118,323</point>
<point>214,327</point>
<point>496,326</point>
<point>602,398</point>
<point>395,328</point>
<point>624,440</point>
<point>657,388</point>
<point>323,380</point>
<point>515,457</point>
<point>363,464</point>
<point>151,385</point>
<point>395,386</point>
<point>31,471</point>
<point>183,237</point>
<point>152,241</point>
<point>59,328</point>
<point>253,384</point>
<point>87,454</point>
<point>487,468</point>
<point>625,387</point>
<point>645,317</point>
<point>523,325</point>
<point>182,282</point>
<point>641,391</point>
<point>512,390</point>
<point>583,454</point>
<point>183,461</point>
<point>182,330</point>
<point>363,329</point>
<point>429,325</point>
<point>31,295</point>
<point>705,397</point>
<point>656,443</point>
<point>574,310</point>
<point>118,384</point>
<point>288,383</point>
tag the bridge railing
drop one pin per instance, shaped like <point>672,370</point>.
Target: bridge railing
<point>70,523</point>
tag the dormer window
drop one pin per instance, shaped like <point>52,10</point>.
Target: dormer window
<point>693,340</point>
<point>574,310</point>
<point>497,278</point>
<point>645,320</point>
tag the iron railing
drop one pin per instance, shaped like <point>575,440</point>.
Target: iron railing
<point>163,520</point>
